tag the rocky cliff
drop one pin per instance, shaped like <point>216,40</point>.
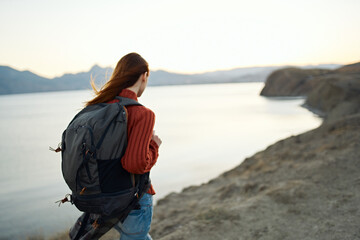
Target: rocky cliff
<point>292,82</point>
<point>330,93</point>
<point>299,82</point>
<point>336,95</point>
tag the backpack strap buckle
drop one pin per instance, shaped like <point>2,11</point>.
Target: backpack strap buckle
<point>67,198</point>
<point>89,152</point>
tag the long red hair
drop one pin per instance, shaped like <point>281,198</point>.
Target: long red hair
<point>126,73</point>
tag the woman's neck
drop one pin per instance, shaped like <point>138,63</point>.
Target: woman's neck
<point>135,88</point>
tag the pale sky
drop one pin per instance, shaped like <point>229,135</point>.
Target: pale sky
<point>51,38</point>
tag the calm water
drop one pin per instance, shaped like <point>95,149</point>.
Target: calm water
<point>206,130</point>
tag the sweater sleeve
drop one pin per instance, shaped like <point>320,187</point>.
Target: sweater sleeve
<point>141,152</point>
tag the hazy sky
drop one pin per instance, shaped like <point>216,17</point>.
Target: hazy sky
<point>53,37</point>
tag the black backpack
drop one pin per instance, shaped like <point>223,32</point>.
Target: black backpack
<point>92,147</point>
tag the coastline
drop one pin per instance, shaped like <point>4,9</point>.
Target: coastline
<point>52,219</point>
<point>315,111</point>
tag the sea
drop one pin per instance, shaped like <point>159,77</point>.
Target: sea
<point>205,129</point>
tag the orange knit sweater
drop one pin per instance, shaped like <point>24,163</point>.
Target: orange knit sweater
<point>141,152</point>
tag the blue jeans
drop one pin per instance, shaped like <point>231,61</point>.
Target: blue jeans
<point>137,224</point>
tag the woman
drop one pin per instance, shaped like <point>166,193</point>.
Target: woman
<point>129,80</point>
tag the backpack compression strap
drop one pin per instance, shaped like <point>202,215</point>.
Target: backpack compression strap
<point>128,102</point>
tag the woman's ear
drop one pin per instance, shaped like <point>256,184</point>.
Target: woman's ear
<point>145,76</point>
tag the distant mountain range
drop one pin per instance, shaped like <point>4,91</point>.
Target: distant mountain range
<point>13,81</point>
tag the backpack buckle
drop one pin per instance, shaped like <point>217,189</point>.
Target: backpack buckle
<point>89,151</point>
<point>67,198</point>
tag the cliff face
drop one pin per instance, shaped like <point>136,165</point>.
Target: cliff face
<point>331,94</point>
<point>336,95</point>
<point>292,82</point>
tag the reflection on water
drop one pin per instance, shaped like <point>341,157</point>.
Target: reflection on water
<point>205,129</point>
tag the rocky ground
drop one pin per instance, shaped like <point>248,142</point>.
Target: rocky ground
<point>303,187</point>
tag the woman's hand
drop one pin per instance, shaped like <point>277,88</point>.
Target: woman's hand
<point>156,139</point>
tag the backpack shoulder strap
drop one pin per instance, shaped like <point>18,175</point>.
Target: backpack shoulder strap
<point>127,101</point>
